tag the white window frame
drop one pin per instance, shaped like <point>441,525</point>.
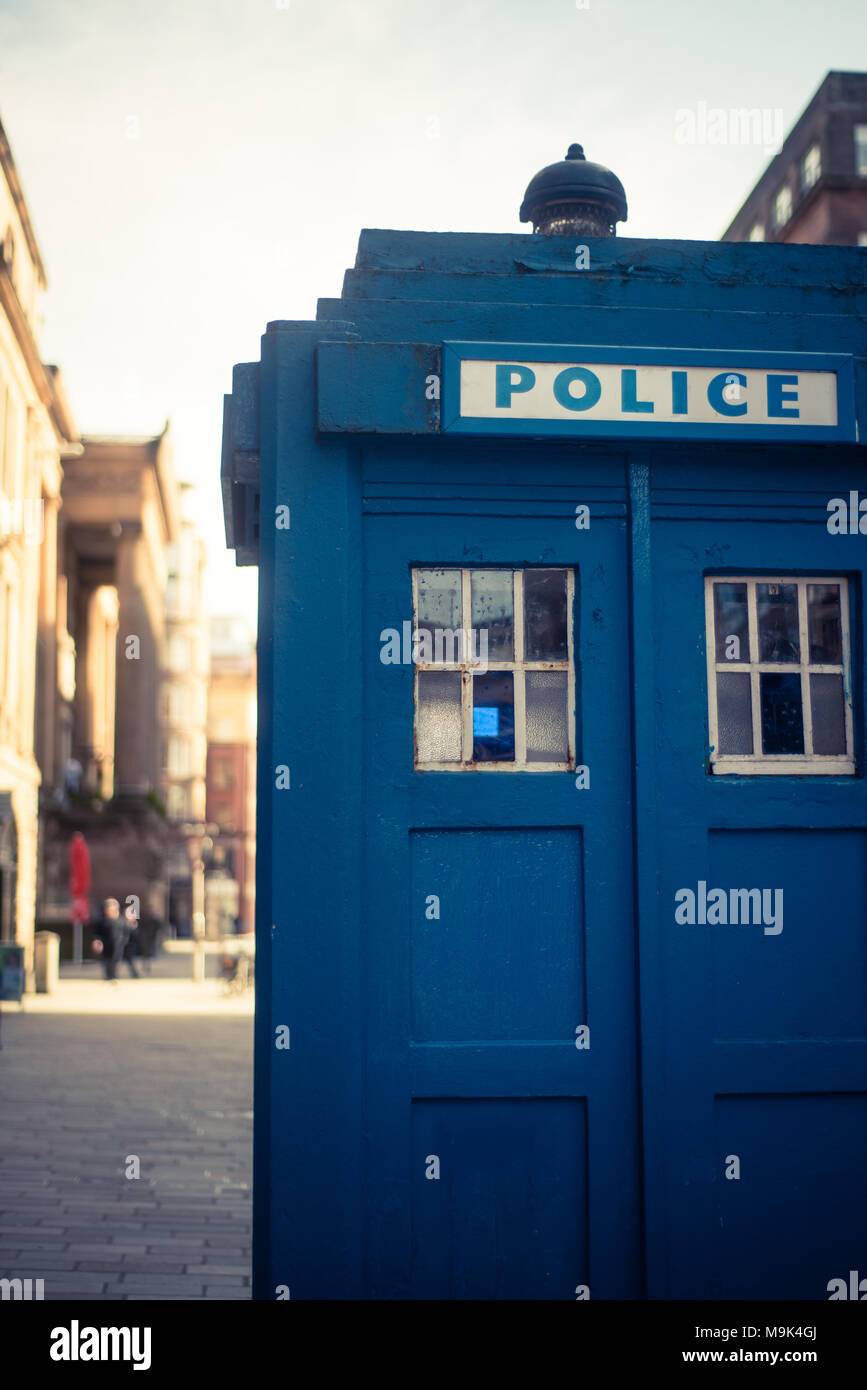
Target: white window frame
<point>803,764</point>
<point>860,142</point>
<point>517,665</point>
<point>757,231</point>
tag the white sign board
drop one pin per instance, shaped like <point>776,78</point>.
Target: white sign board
<point>748,395</point>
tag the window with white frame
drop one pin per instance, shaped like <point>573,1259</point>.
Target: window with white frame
<point>811,168</point>
<point>779,685</point>
<point>783,206</point>
<point>757,231</point>
<point>861,150</point>
<point>494,681</point>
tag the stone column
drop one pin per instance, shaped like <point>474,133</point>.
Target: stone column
<point>137,752</point>
<point>46,679</point>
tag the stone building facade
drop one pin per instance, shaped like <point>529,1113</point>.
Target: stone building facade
<point>120,513</point>
<point>36,430</point>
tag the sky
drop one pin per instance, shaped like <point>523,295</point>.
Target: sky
<point>196,168</point>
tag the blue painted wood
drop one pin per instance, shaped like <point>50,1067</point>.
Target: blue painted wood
<point>750,1021</point>
<point>309,1096</point>
<point>605,284</point>
<point>615,323</point>
<point>364,388</point>
<point>413,1038</point>
<point>534,940</point>
<point>709,269</point>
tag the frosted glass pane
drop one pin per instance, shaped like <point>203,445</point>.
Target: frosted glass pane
<point>829,729</point>
<point>546,702</point>
<point>734,708</point>
<point>492,608</point>
<point>438,723</point>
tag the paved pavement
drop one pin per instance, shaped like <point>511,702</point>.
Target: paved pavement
<point>159,1069</point>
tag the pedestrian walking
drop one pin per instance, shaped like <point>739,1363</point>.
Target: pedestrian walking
<point>132,945</point>
<point>115,931</point>
<point>110,932</point>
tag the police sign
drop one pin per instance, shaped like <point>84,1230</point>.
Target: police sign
<point>529,389</point>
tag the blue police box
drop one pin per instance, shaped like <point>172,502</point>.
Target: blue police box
<point>562,838</point>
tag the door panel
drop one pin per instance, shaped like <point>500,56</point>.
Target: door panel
<point>486,969</point>
<point>764,1032</point>
<point>471,1029</point>
<point>513,1179</point>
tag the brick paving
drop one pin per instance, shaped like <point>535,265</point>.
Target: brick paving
<point>79,1093</point>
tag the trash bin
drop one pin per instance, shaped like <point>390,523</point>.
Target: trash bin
<point>47,961</point>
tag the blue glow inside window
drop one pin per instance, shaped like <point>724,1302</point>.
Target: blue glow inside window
<point>486,721</point>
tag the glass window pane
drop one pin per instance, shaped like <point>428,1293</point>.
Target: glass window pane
<point>782,715</point>
<point>546,705</point>
<point>732,623</point>
<point>823,617</point>
<point>492,609</point>
<point>777,606</point>
<point>545,615</point>
<point>494,717</point>
<point>829,727</point>
<point>439,600</point>
<point>734,707</point>
<point>438,725</point>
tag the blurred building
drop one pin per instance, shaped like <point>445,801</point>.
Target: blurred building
<point>815,189</point>
<point>184,719</point>
<point>103,648</point>
<point>99,725</point>
<point>231,780</point>
<point>36,429</point>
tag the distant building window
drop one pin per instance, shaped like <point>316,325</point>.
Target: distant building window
<point>783,206</point>
<point>757,231</point>
<point>861,150</point>
<point>811,168</point>
<point>178,763</point>
<point>862,238</point>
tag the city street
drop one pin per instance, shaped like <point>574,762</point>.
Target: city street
<point>95,1076</point>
